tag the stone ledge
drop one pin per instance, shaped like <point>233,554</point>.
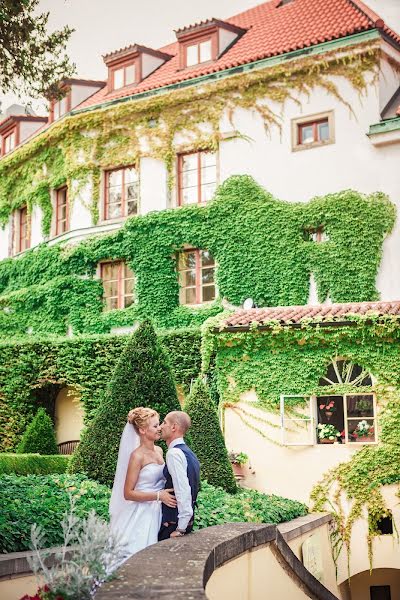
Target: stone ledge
<point>294,529</point>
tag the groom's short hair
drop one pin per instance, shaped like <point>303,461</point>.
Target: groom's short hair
<point>182,419</point>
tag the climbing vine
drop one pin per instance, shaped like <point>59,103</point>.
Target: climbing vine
<point>79,146</point>
<point>258,243</point>
<point>283,360</point>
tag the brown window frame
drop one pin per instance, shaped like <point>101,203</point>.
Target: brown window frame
<point>121,279</point>
<point>312,120</point>
<point>124,203</point>
<point>68,107</point>
<point>314,125</point>
<point>23,233</point>
<point>124,65</point>
<point>6,135</point>
<point>198,286</point>
<point>59,230</point>
<point>180,172</point>
<point>196,40</point>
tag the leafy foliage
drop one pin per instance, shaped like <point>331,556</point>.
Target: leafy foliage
<point>44,499</point>
<point>29,464</point>
<point>23,503</point>
<point>256,240</point>
<point>142,377</point>
<point>32,61</point>
<point>207,439</point>
<point>215,507</point>
<point>39,436</point>
<point>84,363</point>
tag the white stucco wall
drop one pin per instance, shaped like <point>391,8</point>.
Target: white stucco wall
<point>352,161</point>
<point>36,226</point>
<point>27,128</point>
<point>79,93</point>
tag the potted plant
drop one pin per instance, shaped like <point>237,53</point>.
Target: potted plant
<point>363,432</point>
<point>238,460</point>
<point>327,405</point>
<point>327,434</point>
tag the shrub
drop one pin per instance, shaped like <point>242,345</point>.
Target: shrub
<point>207,440</point>
<point>39,436</point>
<point>216,507</point>
<point>44,499</point>
<point>142,377</point>
<point>30,464</point>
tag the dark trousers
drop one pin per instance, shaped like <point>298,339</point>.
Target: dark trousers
<point>166,530</point>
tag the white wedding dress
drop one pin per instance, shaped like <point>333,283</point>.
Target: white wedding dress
<point>139,524</point>
<point>135,524</point>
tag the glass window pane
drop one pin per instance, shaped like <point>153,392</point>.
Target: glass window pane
<point>205,51</point>
<point>207,275</point>
<point>190,195</point>
<point>208,159</point>
<point>128,273</point>
<point>129,287</point>
<point>189,161</point>
<point>118,78</point>
<point>188,278</point>
<point>207,192</point>
<point>208,175</point>
<point>114,178</point>
<point>132,208</point>
<point>360,405</point>
<point>307,134</point>
<point>190,296</point>
<point>63,106</point>
<point>206,258</point>
<point>110,288</point>
<point>190,178</point>
<point>323,131</point>
<point>362,430</point>
<point>208,293</point>
<point>192,55</point>
<point>130,74</point>
<point>128,301</point>
<point>114,211</point>
<point>131,175</point>
<point>111,303</point>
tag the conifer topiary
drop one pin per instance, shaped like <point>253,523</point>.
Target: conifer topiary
<point>39,436</point>
<point>207,440</point>
<point>142,377</point>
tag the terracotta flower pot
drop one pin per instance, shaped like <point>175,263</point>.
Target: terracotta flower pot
<point>364,438</point>
<point>238,470</point>
<point>326,441</point>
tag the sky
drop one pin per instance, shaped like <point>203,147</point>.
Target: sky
<point>106,25</point>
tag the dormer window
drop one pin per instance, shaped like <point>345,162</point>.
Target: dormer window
<point>206,41</point>
<point>132,64</point>
<point>124,76</point>
<point>199,53</point>
<point>61,107</point>
<point>9,142</point>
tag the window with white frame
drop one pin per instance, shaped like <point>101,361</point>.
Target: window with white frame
<point>196,269</point>
<point>199,52</point>
<point>123,76</point>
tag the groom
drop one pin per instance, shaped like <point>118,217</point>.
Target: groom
<point>182,472</point>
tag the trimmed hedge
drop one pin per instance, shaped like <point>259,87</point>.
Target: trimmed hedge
<point>33,464</point>
<point>45,499</point>
<point>142,377</point>
<point>207,440</point>
<point>39,436</point>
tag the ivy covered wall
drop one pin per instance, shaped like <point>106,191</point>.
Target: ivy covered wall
<point>259,244</point>
<point>32,373</point>
<point>283,360</point>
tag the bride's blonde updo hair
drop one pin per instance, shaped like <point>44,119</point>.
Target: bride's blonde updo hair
<point>140,417</point>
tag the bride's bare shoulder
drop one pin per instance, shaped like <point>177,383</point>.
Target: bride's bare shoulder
<point>160,451</point>
<point>137,456</point>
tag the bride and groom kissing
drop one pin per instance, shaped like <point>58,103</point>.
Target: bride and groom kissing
<point>152,500</point>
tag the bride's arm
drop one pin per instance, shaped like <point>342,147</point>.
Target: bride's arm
<point>132,475</point>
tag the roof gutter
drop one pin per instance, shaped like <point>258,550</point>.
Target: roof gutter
<point>384,126</point>
<point>350,40</point>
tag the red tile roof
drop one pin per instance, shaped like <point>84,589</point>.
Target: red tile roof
<point>270,30</point>
<point>321,312</point>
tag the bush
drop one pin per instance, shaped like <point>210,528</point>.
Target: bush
<point>142,377</point>
<point>44,499</point>
<point>39,436</point>
<point>216,507</point>
<point>32,464</point>
<point>207,440</point>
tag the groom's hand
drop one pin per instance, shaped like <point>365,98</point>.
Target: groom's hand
<point>167,497</point>
<point>176,534</point>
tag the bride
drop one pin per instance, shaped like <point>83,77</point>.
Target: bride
<point>138,490</point>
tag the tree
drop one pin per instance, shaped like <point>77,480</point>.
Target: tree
<point>32,61</point>
<point>142,377</point>
<point>39,436</point>
<point>207,440</point>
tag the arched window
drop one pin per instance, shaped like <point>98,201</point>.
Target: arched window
<point>349,417</point>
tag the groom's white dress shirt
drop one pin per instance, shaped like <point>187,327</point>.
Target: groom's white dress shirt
<point>177,466</point>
